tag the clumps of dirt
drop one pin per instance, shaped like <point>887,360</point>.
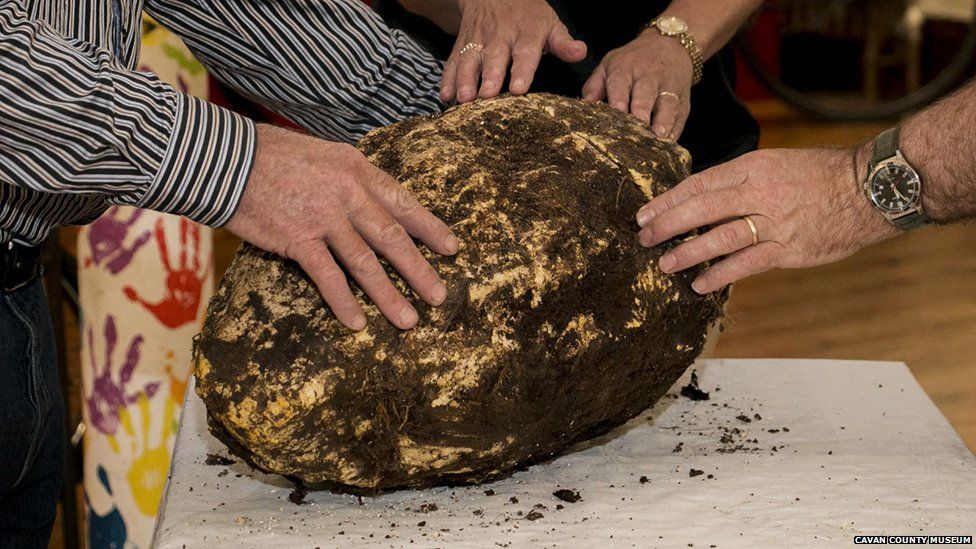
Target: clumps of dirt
<point>692,391</point>
<point>569,496</point>
<point>695,473</point>
<point>427,508</point>
<point>214,459</point>
<point>297,496</point>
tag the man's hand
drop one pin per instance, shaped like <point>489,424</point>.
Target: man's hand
<point>807,205</point>
<point>511,32</point>
<point>651,75</point>
<point>308,199</point>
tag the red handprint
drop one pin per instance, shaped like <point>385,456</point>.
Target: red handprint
<point>181,303</point>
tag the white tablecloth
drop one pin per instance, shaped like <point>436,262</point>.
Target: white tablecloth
<point>866,453</point>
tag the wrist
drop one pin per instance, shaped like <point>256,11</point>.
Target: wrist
<point>872,226</point>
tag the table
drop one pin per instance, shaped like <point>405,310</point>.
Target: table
<point>802,453</point>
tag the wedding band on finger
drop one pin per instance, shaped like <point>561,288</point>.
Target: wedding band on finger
<point>752,227</point>
<point>471,46</point>
<point>669,94</point>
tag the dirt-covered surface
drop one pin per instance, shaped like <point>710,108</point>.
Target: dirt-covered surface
<point>558,326</point>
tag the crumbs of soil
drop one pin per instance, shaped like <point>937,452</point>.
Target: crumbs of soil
<point>297,496</point>
<point>569,496</point>
<point>695,472</point>
<point>427,507</point>
<point>214,459</point>
<point>692,391</point>
<point>534,515</point>
<point>489,492</point>
<point>644,480</point>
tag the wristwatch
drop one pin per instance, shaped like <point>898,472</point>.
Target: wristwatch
<point>893,185</point>
<point>670,25</point>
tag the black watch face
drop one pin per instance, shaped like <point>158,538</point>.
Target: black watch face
<point>895,189</point>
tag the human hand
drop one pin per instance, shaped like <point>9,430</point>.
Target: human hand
<point>807,206</point>
<point>515,32</point>
<point>308,198</point>
<point>650,78</point>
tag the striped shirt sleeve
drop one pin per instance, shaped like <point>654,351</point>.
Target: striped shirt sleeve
<point>331,66</point>
<point>74,120</point>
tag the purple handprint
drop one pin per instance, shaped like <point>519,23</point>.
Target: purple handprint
<point>108,398</point>
<point>106,238</point>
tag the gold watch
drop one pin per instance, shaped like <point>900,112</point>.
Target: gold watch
<point>675,27</point>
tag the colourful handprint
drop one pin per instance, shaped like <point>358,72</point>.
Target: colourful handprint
<point>106,530</point>
<point>107,236</point>
<point>147,474</point>
<point>181,303</point>
<point>108,397</point>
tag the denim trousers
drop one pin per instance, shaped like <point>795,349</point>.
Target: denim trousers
<point>31,419</point>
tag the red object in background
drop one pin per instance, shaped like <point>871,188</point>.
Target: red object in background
<point>184,286</point>
<point>764,38</point>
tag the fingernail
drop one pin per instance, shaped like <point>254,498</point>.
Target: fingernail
<point>517,84</point>
<point>408,317</point>
<point>465,93</point>
<point>667,262</point>
<point>438,294</point>
<point>698,285</point>
<point>451,244</point>
<point>660,131</point>
<point>644,216</point>
<point>646,239</point>
<point>358,323</point>
<point>487,84</point>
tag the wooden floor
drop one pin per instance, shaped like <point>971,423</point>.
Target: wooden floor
<point>912,299</point>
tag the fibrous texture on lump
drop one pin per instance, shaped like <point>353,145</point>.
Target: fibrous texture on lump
<point>558,325</point>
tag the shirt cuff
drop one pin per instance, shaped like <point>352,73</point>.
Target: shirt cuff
<point>206,166</point>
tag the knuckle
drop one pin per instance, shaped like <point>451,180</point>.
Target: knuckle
<point>640,104</point>
<point>727,238</point>
<point>696,185</point>
<point>405,201</point>
<point>524,51</point>
<point>706,205</point>
<point>330,277</point>
<point>752,262</point>
<point>393,232</point>
<point>364,261</point>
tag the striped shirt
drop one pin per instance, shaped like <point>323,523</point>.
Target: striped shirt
<point>81,130</point>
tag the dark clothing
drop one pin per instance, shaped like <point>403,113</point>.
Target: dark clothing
<point>31,419</point>
<point>719,127</point>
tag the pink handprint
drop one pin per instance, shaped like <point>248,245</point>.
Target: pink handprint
<point>183,287</point>
<point>108,398</point>
<point>106,238</point>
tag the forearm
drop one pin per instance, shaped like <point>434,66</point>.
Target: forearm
<point>940,143</point>
<point>74,120</point>
<point>331,66</point>
<point>712,26</point>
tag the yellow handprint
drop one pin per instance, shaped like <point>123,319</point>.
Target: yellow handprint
<point>147,474</point>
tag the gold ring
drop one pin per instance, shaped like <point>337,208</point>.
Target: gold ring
<point>669,94</point>
<point>471,46</point>
<point>752,227</point>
